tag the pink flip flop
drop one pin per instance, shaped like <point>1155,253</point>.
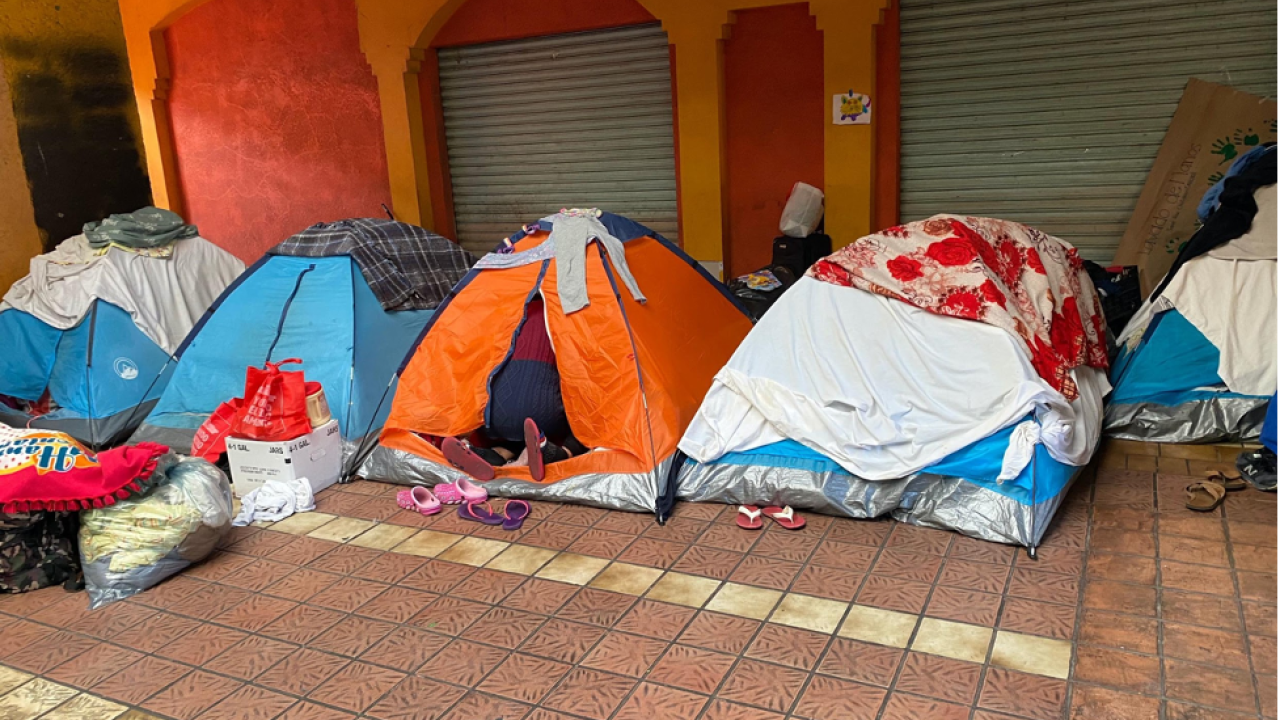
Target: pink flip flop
<point>463,491</point>
<point>784,516</point>
<point>420,499</point>
<point>533,446</point>
<point>749,517</point>
<point>514,513</point>
<point>460,456</point>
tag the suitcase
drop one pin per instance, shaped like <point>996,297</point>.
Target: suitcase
<point>799,254</point>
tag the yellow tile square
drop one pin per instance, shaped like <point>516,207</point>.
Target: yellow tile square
<point>682,589</point>
<point>383,537</point>
<point>427,543</point>
<point>473,551</point>
<point>521,559</point>
<point>810,613</point>
<point>36,697</point>
<point>626,578</point>
<point>341,529</point>
<point>86,707</point>
<point>10,678</point>
<point>1031,654</point>
<point>958,641</point>
<point>744,601</point>
<point>573,568</point>
<point>302,523</point>
<point>874,625</point>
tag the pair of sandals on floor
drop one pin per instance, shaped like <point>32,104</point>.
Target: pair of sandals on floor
<point>1208,494</point>
<point>471,499</point>
<point>479,463</point>
<point>749,517</point>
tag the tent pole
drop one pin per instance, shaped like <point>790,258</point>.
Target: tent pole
<point>88,376</point>
<point>1031,548</point>
<point>358,456</point>
<point>661,513</point>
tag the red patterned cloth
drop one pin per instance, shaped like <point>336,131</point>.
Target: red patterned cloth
<point>994,271</point>
<point>46,470</point>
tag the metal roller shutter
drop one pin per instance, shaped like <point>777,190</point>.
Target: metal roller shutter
<point>1051,112</point>
<point>578,120</point>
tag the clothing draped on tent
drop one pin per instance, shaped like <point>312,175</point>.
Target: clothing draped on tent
<point>1233,215</point>
<point>406,267</point>
<point>164,296</point>
<point>150,227</point>
<point>1001,273</point>
<point>878,386</point>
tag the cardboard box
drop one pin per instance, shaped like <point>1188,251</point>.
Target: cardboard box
<point>316,456</point>
<point>1212,126</point>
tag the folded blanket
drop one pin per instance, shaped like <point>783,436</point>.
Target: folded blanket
<point>43,470</point>
<point>994,271</point>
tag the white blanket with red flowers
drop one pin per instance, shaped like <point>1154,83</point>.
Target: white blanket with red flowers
<point>886,389</point>
<point>997,272</point>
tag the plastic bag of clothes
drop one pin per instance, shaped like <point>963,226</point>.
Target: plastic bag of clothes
<point>37,549</point>
<point>136,543</point>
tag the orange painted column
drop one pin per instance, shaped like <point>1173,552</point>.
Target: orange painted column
<point>391,35</point>
<point>144,24</point>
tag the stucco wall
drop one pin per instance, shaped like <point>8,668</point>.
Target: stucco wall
<point>275,120</point>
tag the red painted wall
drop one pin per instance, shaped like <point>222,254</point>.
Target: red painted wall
<point>775,108</point>
<point>276,123</point>
<point>480,21</point>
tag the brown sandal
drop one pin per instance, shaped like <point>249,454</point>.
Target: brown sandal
<point>1228,482</point>
<point>1205,496</point>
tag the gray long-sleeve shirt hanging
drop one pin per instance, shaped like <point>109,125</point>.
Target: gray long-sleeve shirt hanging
<point>571,232</point>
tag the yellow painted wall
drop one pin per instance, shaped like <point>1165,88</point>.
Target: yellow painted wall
<point>395,33</point>
<point>19,238</point>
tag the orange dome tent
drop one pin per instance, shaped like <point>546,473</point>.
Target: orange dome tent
<point>632,374</point>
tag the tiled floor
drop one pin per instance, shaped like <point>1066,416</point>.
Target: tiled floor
<point>1135,608</point>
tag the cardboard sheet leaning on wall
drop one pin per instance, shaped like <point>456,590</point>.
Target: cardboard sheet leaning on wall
<point>1212,126</point>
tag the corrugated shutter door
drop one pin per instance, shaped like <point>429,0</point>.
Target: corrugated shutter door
<point>578,120</point>
<point>1050,112</point>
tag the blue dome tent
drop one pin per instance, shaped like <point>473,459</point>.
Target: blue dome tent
<point>319,308</point>
<point>96,374</point>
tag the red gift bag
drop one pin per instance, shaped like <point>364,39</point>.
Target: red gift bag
<point>210,440</point>
<point>275,404</point>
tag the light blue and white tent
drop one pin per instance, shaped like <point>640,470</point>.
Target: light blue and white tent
<point>85,339</point>
<point>1168,387</point>
<point>319,309</point>
<point>96,374</point>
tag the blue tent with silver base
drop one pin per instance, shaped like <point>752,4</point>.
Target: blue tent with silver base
<point>101,375</point>
<point>1167,389</point>
<point>961,492</point>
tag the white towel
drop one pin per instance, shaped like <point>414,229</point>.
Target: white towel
<point>275,500</point>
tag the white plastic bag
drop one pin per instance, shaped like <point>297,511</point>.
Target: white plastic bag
<point>135,543</point>
<point>803,211</point>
